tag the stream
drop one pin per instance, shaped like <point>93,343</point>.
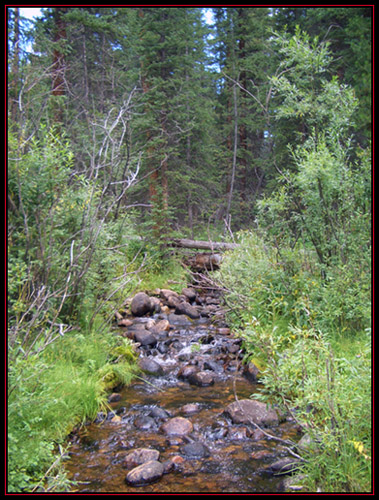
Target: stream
<point>172,422</point>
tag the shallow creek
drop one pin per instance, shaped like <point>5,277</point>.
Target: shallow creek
<point>227,457</point>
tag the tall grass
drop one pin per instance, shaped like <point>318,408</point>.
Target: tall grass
<point>51,393</point>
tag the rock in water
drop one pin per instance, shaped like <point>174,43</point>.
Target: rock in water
<point>145,338</point>
<point>141,304</point>
<point>150,366</point>
<point>195,450</point>
<point>247,411</point>
<point>190,293</point>
<point>202,379</point>
<point>146,473</point>
<point>139,456</point>
<point>177,426</point>
<point>187,309</point>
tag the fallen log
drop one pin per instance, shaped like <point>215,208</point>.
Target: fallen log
<point>203,245</point>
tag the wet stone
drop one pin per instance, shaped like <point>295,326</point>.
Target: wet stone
<point>187,309</point>
<point>195,450</point>
<point>150,366</point>
<point>177,426</point>
<point>190,408</point>
<point>246,411</point>
<point>159,413</point>
<point>202,378</point>
<point>114,397</point>
<point>145,338</point>
<point>146,473</point>
<point>285,465</point>
<point>190,293</point>
<point>139,456</point>
<point>144,423</point>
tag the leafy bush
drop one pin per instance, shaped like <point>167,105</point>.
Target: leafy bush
<point>282,307</point>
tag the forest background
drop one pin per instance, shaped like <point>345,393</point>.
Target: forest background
<point>128,127</point>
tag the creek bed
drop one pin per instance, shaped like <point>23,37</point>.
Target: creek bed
<point>232,458</point>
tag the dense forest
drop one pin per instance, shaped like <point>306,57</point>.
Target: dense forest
<point>129,127</point>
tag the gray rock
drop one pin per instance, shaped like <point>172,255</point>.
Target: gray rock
<point>190,293</point>
<point>144,423</point>
<point>190,408</point>
<point>213,365</point>
<point>114,397</point>
<point>173,301</point>
<point>187,371</point>
<point>195,450</point>
<point>188,310</point>
<point>145,338</point>
<point>160,413</point>
<point>146,473</point>
<point>155,304</point>
<point>141,304</point>
<point>247,411</point>
<point>150,366</point>
<point>285,465</point>
<point>165,294</point>
<point>251,372</point>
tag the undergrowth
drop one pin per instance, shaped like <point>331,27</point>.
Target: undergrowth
<point>50,394</point>
<point>313,351</point>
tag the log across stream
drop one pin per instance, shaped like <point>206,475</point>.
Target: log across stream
<point>173,429</point>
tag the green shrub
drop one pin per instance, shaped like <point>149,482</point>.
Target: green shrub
<point>298,327</point>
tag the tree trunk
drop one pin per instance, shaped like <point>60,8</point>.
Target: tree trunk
<point>234,164</point>
<point>14,70</point>
<point>59,63</point>
<point>202,245</point>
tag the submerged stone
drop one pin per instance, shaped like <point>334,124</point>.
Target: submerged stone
<point>146,473</point>
<point>195,450</point>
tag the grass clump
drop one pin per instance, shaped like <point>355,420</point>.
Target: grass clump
<point>51,393</point>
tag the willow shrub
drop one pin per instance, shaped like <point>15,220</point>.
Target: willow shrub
<point>279,302</point>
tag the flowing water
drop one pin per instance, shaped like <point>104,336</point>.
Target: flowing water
<point>231,458</point>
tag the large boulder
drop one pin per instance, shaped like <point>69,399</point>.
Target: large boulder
<point>146,473</point>
<point>248,411</point>
<point>141,304</point>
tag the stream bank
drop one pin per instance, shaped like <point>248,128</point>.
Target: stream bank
<point>191,423</point>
